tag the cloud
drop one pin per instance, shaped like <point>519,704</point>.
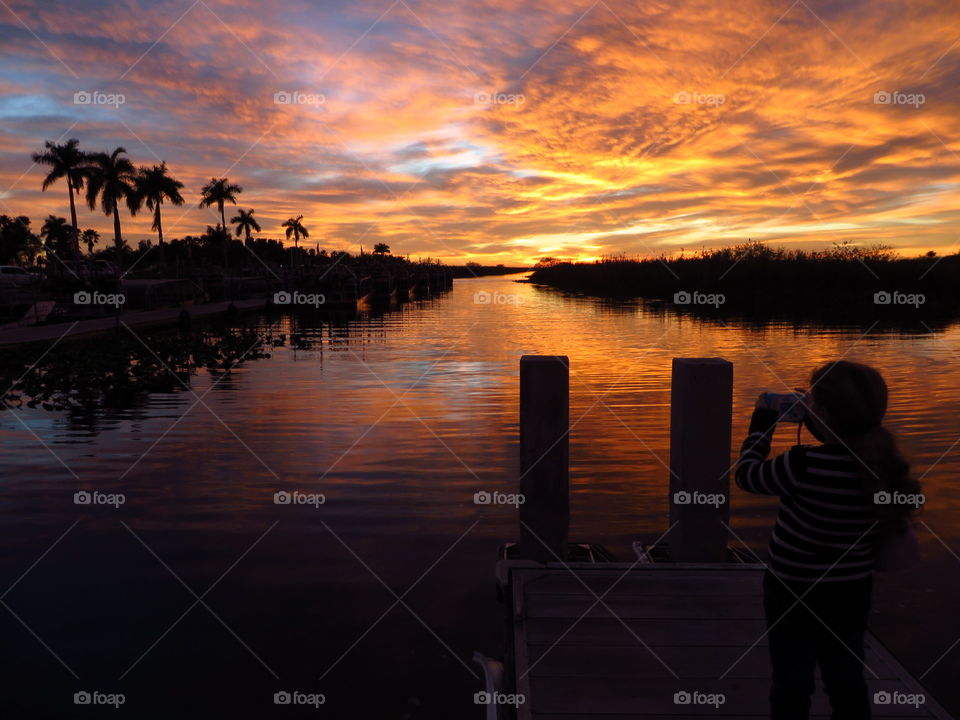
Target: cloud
<point>492,130</point>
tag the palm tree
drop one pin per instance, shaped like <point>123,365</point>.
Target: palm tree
<point>112,178</point>
<point>295,227</point>
<point>90,237</point>
<point>381,249</point>
<point>56,233</point>
<point>153,185</point>
<point>17,241</point>
<point>65,160</point>
<point>217,192</point>
<point>245,223</point>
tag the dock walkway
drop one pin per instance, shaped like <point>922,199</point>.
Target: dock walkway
<point>623,641</point>
<point>18,335</point>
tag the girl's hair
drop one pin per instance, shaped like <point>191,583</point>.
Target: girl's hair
<point>854,397</point>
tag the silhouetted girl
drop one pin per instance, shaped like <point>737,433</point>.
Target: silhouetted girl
<point>835,513</point>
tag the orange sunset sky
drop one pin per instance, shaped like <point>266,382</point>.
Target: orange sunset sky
<point>505,130</point>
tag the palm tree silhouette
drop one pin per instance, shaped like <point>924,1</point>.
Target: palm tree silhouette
<point>245,223</point>
<point>90,237</point>
<point>217,192</point>
<point>111,178</point>
<point>295,227</point>
<point>65,160</point>
<point>56,233</point>
<point>154,184</point>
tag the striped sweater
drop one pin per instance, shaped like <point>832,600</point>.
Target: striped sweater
<point>827,526</point>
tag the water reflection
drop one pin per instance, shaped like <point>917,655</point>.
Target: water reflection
<point>95,382</point>
<point>879,323</point>
<point>398,419</point>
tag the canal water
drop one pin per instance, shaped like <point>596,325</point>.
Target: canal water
<point>199,596</point>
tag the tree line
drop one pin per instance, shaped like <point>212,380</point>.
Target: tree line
<point>110,181</point>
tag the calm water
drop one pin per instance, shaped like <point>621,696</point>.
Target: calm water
<point>398,421</point>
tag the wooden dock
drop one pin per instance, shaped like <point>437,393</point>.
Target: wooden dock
<point>619,641</point>
<point>15,335</point>
<point>684,638</point>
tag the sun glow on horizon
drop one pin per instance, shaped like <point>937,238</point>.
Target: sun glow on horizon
<point>503,131</point>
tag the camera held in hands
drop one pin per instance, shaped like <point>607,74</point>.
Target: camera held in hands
<point>790,407</point>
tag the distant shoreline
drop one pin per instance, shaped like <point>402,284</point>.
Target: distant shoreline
<point>754,282</point>
<point>469,271</point>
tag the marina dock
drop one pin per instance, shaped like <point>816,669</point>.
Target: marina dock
<point>97,326</point>
<point>341,293</point>
<point>679,632</point>
<point>630,640</point>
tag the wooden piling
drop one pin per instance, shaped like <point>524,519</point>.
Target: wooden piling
<point>544,457</point>
<point>700,422</point>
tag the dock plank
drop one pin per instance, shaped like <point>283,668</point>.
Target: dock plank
<point>642,606</point>
<point>742,697</point>
<point>610,631</point>
<point>647,582</point>
<point>566,660</point>
<point>672,629</point>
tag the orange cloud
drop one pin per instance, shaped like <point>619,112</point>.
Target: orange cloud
<point>501,131</point>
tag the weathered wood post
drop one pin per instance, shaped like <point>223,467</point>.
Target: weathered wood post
<point>701,406</point>
<point>544,457</point>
